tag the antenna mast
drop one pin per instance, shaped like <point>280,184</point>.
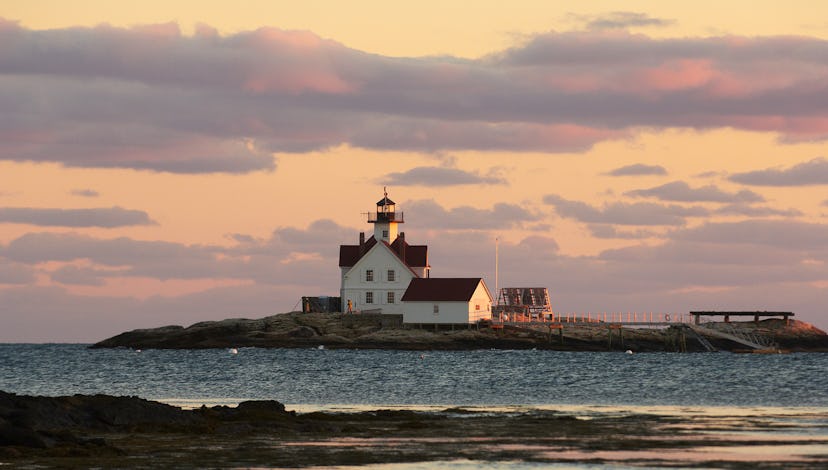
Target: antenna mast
<point>497,292</point>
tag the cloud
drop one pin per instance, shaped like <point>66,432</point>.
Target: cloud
<point>784,234</point>
<point>264,261</point>
<point>715,266</point>
<point>754,211</point>
<point>15,273</point>
<point>34,248</point>
<point>74,275</point>
<point>439,176</point>
<point>681,191</point>
<point>540,244</point>
<point>621,20</point>
<point>151,98</point>
<point>638,169</point>
<point>611,232</point>
<point>431,215</point>
<point>52,314</point>
<point>709,174</point>
<point>97,217</point>
<point>813,172</point>
<point>624,214</point>
<point>84,193</point>
<point>321,236</point>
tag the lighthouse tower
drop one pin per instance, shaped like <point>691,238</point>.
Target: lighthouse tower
<point>385,219</point>
<point>377,271</point>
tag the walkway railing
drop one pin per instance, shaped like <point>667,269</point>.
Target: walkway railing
<point>624,318</point>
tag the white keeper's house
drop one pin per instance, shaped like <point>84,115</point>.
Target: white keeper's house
<point>384,273</point>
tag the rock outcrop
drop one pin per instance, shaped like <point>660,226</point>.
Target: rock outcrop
<point>99,431</point>
<point>374,331</point>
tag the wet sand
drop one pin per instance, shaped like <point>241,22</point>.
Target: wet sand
<point>264,435</point>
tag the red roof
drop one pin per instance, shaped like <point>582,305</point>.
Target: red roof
<point>415,255</point>
<point>450,289</point>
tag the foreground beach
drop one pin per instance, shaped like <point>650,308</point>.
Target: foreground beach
<point>104,431</point>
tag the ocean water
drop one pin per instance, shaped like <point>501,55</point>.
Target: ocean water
<point>319,378</point>
<point>776,404</point>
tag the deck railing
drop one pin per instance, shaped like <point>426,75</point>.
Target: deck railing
<point>630,318</point>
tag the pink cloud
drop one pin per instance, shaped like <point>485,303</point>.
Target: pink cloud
<point>292,61</point>
<point>150,97</point>
<point>676,75</point>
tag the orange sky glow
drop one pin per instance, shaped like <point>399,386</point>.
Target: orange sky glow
<point>173,162</point>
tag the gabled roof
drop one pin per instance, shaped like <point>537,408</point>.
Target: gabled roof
<point>350,254</point>
<point>450,289</point>
<point>382,246</point>
<point>415,255</point>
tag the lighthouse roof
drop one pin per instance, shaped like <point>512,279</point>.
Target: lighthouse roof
<point>411,255</point>
<point>385,202</point>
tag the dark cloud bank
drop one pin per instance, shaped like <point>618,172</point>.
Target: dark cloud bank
<point>96,217</point>
<point>152,98</point>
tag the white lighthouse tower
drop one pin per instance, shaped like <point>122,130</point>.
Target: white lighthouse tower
<point>377,271</point>
<point>385,219</point>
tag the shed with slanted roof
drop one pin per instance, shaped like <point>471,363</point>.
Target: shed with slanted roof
<point>446,301</point>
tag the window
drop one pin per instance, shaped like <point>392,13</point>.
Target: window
<point>436,309</point>
<point>477,307</point>
<point>392,275</point>
<point>385,234</point>
<point>369,297</point>
<point>369,275</point>
<point>390,297</point>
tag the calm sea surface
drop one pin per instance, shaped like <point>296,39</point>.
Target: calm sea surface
<point>306,378</point>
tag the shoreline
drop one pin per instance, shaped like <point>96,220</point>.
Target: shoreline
<point>376,331</point>
<point>84,430</point>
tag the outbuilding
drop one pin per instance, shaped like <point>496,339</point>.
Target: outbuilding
<point>446,301</point>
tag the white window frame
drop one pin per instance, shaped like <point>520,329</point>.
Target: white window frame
<point>369,275</point>
<point>392,275</point>
<point>369,297</point>
<point>390,297</point>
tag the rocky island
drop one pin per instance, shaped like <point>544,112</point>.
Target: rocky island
<point>376,331</point>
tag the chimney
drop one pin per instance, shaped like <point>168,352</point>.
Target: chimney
<point>361,243</point>
<point>402,247</point>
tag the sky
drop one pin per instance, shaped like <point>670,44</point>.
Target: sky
<point>169,162</point>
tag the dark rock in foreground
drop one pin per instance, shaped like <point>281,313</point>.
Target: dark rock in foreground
<point>128,432</point>
<point>371,331</point>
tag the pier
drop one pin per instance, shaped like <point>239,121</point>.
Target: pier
<point>756,315</point>
<point>687,324</point>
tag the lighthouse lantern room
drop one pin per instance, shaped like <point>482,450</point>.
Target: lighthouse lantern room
<point>385,219</point>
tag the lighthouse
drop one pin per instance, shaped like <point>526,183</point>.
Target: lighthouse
<point>385,219</point>
<point>376,272</point>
